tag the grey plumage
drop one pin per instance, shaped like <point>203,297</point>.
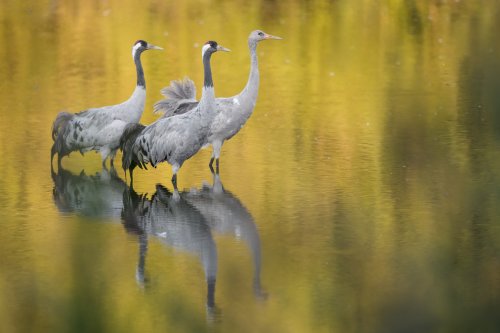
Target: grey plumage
<point>181,97</point>
<point>127,140</point>
<point>100,129</point>
<point>174,139</point>
<point>232,113</point>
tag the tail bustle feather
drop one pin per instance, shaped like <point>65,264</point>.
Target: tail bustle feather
<point>165,106</point>
<point>180,89</point>
<point>178,93</point>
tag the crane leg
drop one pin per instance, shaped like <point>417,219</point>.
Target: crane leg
<point>112,172</point>
<point>112,158</point>
<point>140,275</point>
<point>131,171</point>
<point>59,163</point>
<point>174,181</point>
<point>105,153</point>
<point>52,153</point>
<point>210,165</point>
<point>211,293</point>
<point>215,156</point>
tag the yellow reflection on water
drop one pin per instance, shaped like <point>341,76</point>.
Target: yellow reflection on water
<point>368,166</point>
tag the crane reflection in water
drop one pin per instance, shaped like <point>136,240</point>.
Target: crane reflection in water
<point>95,196</point>
<point>184,221</point>
<point>226,214</point>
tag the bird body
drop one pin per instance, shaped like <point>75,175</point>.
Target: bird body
<point>231,112</point>
<point>173,139</point>
<point>168,140</point>
<point>100,129</point>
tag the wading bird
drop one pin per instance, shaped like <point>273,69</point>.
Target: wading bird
<point>173,139</point>
<point>100,129</point>
<point>232,112</point>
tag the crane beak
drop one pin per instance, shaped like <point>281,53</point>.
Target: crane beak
<point>267,36</point>
<point>154,47</point>
<point>222,48</point>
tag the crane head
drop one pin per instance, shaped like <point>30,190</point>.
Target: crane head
<point>212,46</point>
<point>258,35</point>
<point>141,46</point>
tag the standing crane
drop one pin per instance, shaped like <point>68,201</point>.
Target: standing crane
<point>173,139</point>
<point>100,129</point>
<point>232,112</point>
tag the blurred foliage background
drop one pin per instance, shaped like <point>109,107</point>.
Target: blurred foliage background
<point>369,166</point>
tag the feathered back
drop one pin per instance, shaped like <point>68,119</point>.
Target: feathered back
<point>180,98</point>
<point>127,140</point>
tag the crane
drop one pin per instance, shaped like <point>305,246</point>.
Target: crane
<point>100,129</point>
<point>173,139</point>
<point>232,112</point>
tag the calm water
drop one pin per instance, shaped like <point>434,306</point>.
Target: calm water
<point>363,195</point>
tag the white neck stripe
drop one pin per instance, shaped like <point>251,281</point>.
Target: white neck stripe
<point>135,48</point>
<point>204,49</point>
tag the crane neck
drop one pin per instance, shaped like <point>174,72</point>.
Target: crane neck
<point>140,72</point>
<point>253,77</point>
<point>252,46</point>
<point>208,84</point>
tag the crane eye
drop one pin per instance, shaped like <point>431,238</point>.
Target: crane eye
<point>261,33</point>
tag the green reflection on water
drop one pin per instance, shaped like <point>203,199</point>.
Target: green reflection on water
<point>369,167</point>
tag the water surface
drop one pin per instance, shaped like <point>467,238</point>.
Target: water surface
<point>361,196</point>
